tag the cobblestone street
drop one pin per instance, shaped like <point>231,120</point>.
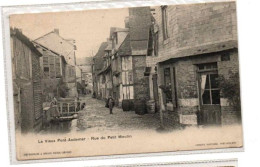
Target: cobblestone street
<point>95,116</point>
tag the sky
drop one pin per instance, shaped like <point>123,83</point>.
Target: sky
<point>89,28</point>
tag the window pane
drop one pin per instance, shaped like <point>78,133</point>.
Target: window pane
<point>207,82</point>
<point>215,97</point>
<point>167,77</point>
<point>214,80</point>
<point>214,65</point>
<point>208,66</point>
<point>201,66</point>
<point>211,66</point>
<point>206,97</point>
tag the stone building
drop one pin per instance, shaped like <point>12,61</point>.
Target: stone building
<point>58,64</point>
<point>196,58</point>
<point>26,74</point>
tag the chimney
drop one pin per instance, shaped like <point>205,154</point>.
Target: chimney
<point>127,22</point>
<point>56,30</point>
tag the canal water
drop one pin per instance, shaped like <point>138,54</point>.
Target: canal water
<point>63,126</point>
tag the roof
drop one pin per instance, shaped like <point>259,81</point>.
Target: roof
<point>125,48</point>
<point>98,58</point>
<point>202,49</point>
<point>105,70</point>
<point>139,26</point>
<point>19,35</point>
<point>117,29</point>
<point>54,42</point>
<point>109,46</point>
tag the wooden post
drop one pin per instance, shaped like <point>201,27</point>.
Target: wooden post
<point>76,103</point>
<point>61,107</point>
<point>68,108</point>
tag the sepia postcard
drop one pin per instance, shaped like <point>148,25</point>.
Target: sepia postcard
<point>123,81</point>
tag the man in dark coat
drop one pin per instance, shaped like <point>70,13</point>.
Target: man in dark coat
<point>110,104</point>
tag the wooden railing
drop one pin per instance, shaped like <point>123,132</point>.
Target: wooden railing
<point>67,108</point>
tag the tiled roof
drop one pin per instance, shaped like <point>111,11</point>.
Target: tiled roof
<point>200,50</point>
<point>98,58</point>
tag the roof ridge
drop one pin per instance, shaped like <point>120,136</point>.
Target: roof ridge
<point>56,34</point>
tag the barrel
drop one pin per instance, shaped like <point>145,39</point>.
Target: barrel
<point>140,107</point>
<point>150,106</point>
<point>126,105</point>
<point>131,105</point>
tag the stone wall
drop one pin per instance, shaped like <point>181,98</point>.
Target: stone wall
<point>195,25</point>
<point>141,83</point>
<point>227,69</point>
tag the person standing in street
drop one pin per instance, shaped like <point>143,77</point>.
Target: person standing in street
<point>110,104</point>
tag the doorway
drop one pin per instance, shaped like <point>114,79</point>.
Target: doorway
<point>209,93</point>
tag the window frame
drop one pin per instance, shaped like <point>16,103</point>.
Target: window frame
<point>165,22</point>
<point>209,72</point>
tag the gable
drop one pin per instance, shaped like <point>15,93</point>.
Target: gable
<point>56,43</point>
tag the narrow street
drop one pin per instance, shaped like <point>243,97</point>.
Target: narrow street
<point>95,116</point>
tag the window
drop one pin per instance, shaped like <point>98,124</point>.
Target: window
<point>46,69</point>
<point>150,43</point>
<point>156,46</point>
<point>57,67</point>
<point>209,86</point>
<point>165,22</point>
<point>225,57</point>
<point>46,72</point>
